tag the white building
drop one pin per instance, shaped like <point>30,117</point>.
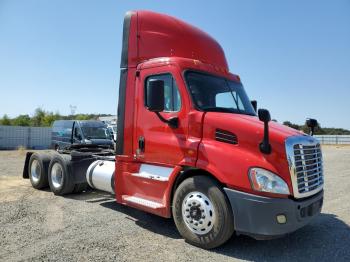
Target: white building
<point>109,120</point>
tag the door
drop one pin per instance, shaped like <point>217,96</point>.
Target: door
<point>158,149</point>
<point>154,140</point>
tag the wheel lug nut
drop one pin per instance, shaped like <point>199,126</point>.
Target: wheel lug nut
<point>196,224</point>
<point>200,222</point>
<point>191,221</point>
<point>188,216</point>
<point>203,217</point>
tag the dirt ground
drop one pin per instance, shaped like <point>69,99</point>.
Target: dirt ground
<point>38,226</point>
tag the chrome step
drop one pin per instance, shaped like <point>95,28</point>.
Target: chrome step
<point>143,202</point>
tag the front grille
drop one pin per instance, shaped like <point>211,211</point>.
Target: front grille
<point>305,165</point>
<point>308,167</point>
<point>225,136</point>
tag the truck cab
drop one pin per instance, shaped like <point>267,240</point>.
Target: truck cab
<point>66,133</point>
<point>183,118</point>
<point>191,145</point>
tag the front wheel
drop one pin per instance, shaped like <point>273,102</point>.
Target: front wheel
<point>202,213</point>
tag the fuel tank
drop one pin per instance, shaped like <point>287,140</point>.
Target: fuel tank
<point>100,175</point>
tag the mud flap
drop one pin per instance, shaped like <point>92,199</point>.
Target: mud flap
<point>26,163</point>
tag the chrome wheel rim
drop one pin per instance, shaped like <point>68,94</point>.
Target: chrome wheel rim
<point>57,175</point>
<point>35,171</point>
<point>198,213</point>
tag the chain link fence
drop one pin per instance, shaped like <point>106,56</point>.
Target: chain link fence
<point>333,139</point>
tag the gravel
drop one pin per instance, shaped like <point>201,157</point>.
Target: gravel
<point>36,225</point>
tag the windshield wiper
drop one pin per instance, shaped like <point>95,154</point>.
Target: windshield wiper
<point>219,109</point>
<point>226,110</point>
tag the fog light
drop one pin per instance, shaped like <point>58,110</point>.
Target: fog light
<point>281,219</point>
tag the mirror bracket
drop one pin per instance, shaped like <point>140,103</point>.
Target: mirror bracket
<point>264,116</point>
<point>172,122</point>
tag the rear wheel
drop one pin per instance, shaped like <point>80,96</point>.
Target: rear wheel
<point>60,178</point>
<point>37,170</point>
<point>202,213</point>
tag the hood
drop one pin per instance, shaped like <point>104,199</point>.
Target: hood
<point>249,128</point>
<point>277,131</point>
<point>248,132</point>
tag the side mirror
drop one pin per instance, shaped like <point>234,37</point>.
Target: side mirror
<point>155,95</point>
<point>255,105</point>
<point>264,115</point>
<point>311,123</point>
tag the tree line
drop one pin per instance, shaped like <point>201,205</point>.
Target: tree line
<point>319,130</point>
<point>44,118</point>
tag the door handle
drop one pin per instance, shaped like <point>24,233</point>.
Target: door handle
<point>141,144</point>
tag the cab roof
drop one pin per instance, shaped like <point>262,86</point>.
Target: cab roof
<point>148,35</point>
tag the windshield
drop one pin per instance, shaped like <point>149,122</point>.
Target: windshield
<point>95,130</point>
<point>217,94</point>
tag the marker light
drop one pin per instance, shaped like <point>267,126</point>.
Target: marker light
<point>281,219</point>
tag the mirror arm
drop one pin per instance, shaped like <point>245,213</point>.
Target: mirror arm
<point>265,146</point>
<point>172,122</point>
<point>312,131</point>
<point>264,116</point>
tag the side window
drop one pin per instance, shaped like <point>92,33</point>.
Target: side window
<point>67,128</point>
<point>172,99</point>
<point>67,132</point>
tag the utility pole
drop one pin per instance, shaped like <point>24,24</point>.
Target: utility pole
<point>73,109</point>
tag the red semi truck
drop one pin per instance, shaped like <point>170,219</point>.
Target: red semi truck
<point>190,144</point>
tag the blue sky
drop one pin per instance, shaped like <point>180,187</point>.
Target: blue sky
<point>292,56</point>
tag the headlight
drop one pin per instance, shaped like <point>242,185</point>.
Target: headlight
<point>266,181</point>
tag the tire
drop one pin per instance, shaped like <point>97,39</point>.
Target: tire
<point>200,199</point>
<point>60,177</point>
<point>38,169</point>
